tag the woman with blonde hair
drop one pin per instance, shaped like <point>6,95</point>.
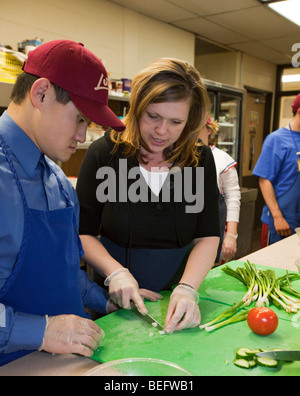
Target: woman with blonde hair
<point>149,197</point>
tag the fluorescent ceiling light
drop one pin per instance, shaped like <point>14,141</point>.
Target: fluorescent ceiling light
<point>290,9</point>
<point>290,78</point>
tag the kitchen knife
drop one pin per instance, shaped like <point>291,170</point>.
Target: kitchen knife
<point>147,318</point>
<point>289,356</point>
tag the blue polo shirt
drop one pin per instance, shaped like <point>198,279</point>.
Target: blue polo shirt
<point>278,162</point>
<point>42,192</point>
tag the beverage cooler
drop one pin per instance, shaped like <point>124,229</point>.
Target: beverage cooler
<point>226,107</point>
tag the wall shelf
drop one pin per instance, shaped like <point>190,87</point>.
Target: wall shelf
<point>6,89</point>
<point>226,143</point>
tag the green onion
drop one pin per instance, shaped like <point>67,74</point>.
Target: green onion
<point>226,314</point>
<point>234,319</point>
<point>262,288</point>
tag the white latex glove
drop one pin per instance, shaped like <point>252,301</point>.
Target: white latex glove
<point>150,295</point>
<point>71,334</point>
<point>144,293</point>
<point>123,288</point>
<point>229,246</point>
<point>183,311</point>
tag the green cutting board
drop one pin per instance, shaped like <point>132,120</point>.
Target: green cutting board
<point>199,352</point>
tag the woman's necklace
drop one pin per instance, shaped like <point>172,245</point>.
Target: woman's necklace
<point>297,151</point>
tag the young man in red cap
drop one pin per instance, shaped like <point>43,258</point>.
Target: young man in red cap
<point>278,169</point>
<point>43,292</point>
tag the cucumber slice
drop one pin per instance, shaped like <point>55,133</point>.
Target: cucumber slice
<point>242,363</point>
<point>252,363</point>
<point>265,362</point>
<point>243,353</point>
<point>253,352</point>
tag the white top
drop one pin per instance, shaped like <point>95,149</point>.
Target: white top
<point>227,178</point>
<point>155,178</point>
<point>228,182</point>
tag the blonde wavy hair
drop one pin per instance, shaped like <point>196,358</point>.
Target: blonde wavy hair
<point>166,80</point>
<point>214,127</point>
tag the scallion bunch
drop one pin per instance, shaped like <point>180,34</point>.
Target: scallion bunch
<point>263,288</point>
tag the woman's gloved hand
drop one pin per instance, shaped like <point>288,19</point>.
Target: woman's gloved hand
<point>123,288</point>
<point>71,334</point>
<point>144,293</point>
<point>183,311</point>
<point>150,295</point>
<point>229,246</point>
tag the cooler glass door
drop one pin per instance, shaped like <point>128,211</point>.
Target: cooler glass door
<point>229,118</point>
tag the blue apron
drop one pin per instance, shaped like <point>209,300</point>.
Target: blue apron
<point>289,204</point>
<point>45,278</point>
<point>154,269</point>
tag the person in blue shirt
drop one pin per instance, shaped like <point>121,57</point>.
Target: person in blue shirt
<point>43,291</point>
<point>278,169</point>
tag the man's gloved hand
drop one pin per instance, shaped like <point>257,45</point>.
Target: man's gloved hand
<point>183,310</point>
<point>71,334</point>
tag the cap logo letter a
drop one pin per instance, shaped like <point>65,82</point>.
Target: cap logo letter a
<point>102,80</point>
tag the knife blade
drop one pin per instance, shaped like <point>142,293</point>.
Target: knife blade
<point>289,356</point>
<point>147,318</point>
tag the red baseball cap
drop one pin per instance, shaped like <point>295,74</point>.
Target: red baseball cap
<point>296,104</point>
<point>79,72</point>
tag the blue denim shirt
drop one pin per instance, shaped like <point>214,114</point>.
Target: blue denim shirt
<point>41,194</point>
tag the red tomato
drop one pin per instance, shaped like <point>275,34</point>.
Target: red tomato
<point>262,321</point>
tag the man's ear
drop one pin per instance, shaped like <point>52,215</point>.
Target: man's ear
<point>40,88</point>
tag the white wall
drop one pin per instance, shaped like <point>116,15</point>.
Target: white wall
<point>238,69</point>
<point>223,67</point>
<point>258,73</point>
<point>125,40</point>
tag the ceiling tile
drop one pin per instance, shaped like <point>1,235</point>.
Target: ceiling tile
<point>211,7</point>
<point>261,51</point>
<point>257,23</point>
<point>161,10</point>
<point>282,44</point>
<point>211,31</point>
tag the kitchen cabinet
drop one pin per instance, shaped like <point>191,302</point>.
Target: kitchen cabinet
<point>118,104</point>
<point>246,223</point>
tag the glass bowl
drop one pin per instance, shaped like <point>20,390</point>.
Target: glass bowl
<point>138,367</point>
